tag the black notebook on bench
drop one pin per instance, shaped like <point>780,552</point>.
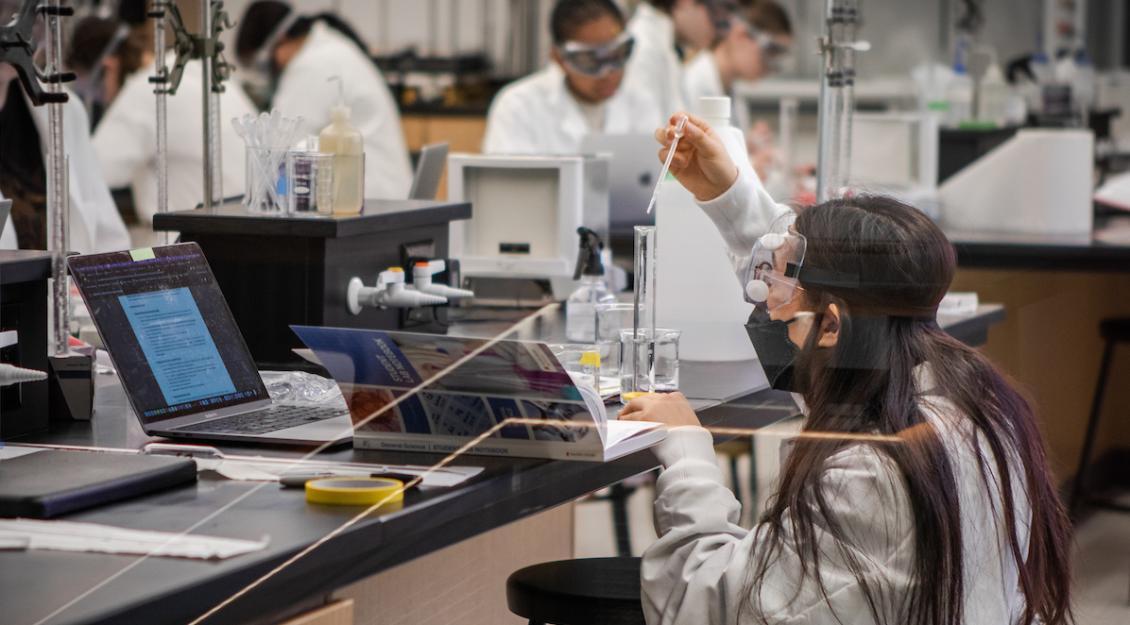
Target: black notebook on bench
<point>48,483</point>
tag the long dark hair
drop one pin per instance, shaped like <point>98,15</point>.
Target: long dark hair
<point>866,384</point>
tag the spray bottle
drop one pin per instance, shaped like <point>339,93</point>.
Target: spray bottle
<point>580,308</point>
<point>345,143</point>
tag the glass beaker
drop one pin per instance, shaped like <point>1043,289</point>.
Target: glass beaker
<point>266,171</point>
<point>309,182</point>
<point>647,364</point>
<point>611,318</point>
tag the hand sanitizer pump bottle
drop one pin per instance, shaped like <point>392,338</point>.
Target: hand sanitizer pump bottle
<point>580,308</point>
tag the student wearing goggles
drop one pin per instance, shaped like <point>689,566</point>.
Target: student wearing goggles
<point>598,60</point>
<point>581,92</point>
<point>918,463</point>
<point>751,45</point>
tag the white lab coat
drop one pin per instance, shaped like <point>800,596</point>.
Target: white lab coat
<point>304,90</point>
<point>95,224</point>
<point>697,570</point>
<point>655,68</point>
<point>539,115</point>
<point>702,79</point>
<point>126,141</point>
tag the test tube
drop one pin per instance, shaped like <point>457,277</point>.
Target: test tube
<point>644,313</point>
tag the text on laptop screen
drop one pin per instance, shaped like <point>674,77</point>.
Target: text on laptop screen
<point>168,328</point>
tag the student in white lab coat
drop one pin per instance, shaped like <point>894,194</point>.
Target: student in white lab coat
<point>95,225</point>
<point>126,140</point>
<point>580,93</point>
<point>749,48</point>
<point>300,53</point>
<point>665,32</point>
<point>918,490</point>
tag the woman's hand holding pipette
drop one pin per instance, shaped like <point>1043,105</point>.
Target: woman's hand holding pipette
<point>701,163</point>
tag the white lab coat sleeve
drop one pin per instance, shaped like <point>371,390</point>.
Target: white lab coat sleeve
<point>700,569</point>
<point>742,214</point>
<point>125,138</point>
<point>296,95</point>
<point>107,231</point>
<point>511,128</point>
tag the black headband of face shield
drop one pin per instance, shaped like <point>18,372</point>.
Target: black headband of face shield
<point>809,276</point>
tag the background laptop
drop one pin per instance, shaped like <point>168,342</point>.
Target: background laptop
<point>429,171</point>
<point>5,208</point>
<point>181,357</point>
<point>634,168</point>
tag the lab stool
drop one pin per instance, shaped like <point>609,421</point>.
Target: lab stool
<point>590,591</point>
<point>1113,332</point>
<point>733,450</point>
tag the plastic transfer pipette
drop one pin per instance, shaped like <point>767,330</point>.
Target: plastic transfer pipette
<point>667,163</point>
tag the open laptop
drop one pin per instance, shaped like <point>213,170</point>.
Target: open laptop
<point>5,209</point>
<point>181,358</point>
<point>429,170</point>
<point>634,168</point>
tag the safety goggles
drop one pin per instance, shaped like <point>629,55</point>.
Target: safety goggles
<point>598,60</point>
<point>773,52</point>
<point>771,275</point>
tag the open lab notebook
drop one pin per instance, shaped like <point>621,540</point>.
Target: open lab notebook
<point>429,393</point>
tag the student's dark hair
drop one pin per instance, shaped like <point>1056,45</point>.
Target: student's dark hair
<point>569,15</point>
<point>769,17</point>
<point>866,385</point>
<point>91,38</point>
<point>264,16</point>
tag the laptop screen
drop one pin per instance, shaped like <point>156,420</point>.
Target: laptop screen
<point>169,331</point>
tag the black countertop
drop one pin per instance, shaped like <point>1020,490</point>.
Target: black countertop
<point>377,216</point>
<point>1107,248</point>
<point>24,265</point>
<point>97,588</point>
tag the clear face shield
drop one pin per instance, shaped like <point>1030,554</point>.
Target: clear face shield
<point>259,74</point>
<point>770,277</point>
<point>598,61</point>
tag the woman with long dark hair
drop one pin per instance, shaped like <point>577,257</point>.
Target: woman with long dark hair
<point>917,492</point>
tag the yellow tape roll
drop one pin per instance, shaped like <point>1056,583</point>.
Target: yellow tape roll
<point>355,491</point>
<point>630,395</point>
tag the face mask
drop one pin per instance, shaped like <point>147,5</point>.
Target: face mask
<point>775,350</point>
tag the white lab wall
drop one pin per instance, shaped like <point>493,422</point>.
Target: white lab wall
<point>903,32</point>
<point>443,27</point>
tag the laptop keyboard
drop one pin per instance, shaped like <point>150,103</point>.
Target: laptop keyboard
<point>273,419</point>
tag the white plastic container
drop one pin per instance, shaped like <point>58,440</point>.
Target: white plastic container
<point>693,263</point>
<point>347,146</point>
<point>959,95</point>
<point>995,97</point>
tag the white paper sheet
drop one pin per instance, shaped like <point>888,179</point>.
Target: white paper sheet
<point>259,469</point>
<point>94,538</point>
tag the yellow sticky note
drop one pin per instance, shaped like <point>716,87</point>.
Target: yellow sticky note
<point>145,253</point>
